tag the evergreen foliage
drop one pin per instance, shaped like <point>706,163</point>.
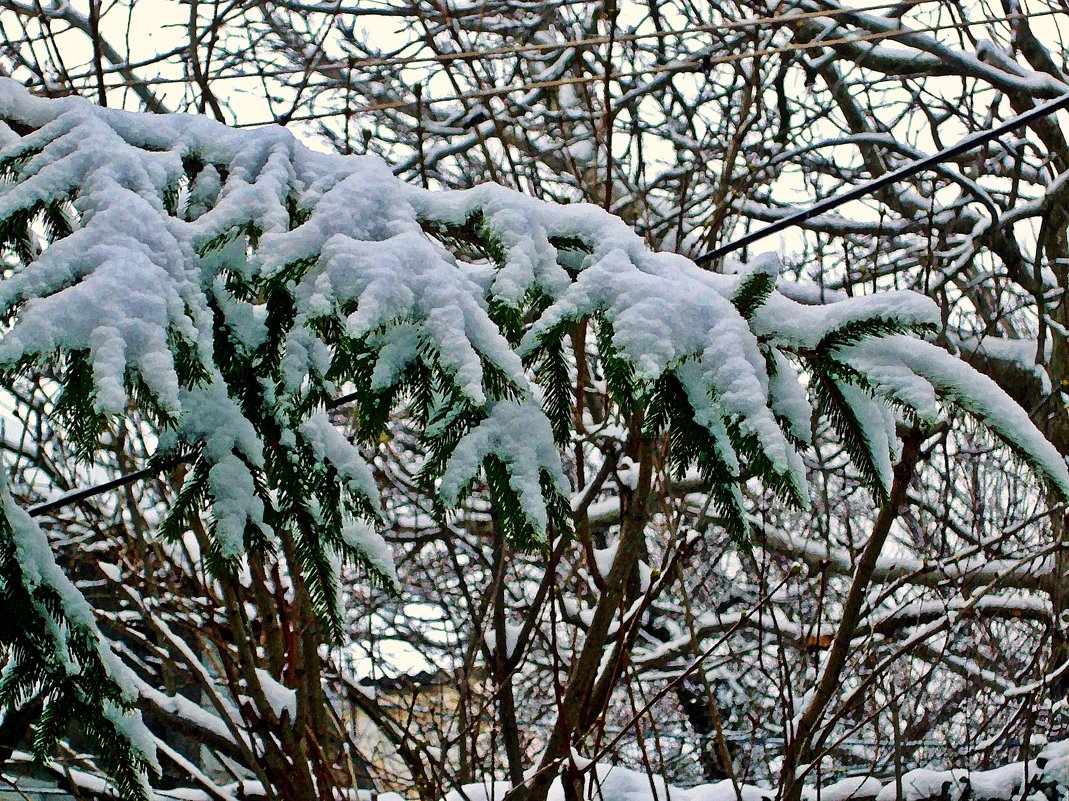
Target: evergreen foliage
<point>53,650</point>
<point>227,286</point>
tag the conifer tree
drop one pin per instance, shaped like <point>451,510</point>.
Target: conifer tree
<point>229,286</point>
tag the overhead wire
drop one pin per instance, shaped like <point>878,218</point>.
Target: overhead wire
<point>887,179</point>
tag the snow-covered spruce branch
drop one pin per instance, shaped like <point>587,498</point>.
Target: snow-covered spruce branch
<point>226,285</point>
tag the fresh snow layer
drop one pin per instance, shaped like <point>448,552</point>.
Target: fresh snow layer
<point>1046,775</point>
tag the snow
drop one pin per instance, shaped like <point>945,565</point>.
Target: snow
<point>1019,352</point>
<point>188,710</point>
<point>804,326</point>
<point>519,435</point>
<point>668,314</point>
<point>616,783</point>
<point>788,399</point>
<point>488,791</point>
<point>923,783</point>
<point>844,790</point>
<point>913,371</point>
<point>604,557</point>
<point>878,428</point>
<point>397,347</point>
<point>330,445</point>
<point>282,699</point>
<point>627,473</point>
<point>1053,761</point>
<point>234,504</point>
<point>361,537</point>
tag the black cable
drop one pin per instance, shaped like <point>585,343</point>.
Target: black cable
<point>115,483</point>
<point>867,188</point>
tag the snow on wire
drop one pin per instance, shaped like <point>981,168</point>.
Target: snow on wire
<point>227,284</point>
